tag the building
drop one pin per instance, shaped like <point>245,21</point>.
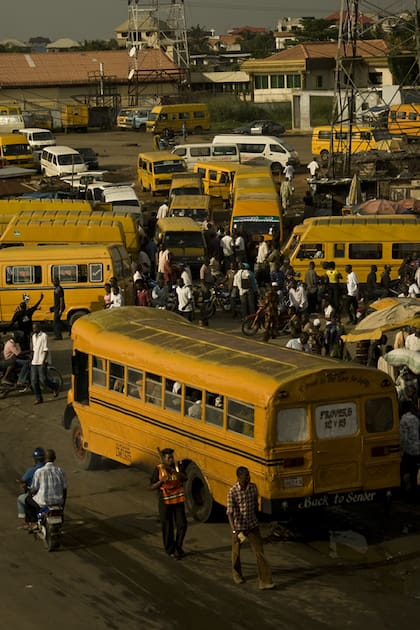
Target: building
<point>305,72</point>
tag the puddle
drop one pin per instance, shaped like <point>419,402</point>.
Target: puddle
<point>341,542</point>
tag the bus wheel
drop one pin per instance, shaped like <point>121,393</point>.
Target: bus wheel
<point>197,494</point>
<point>324,155</point>
<point>75,316</point>
<point>85,459</point>
<point>198,130</point>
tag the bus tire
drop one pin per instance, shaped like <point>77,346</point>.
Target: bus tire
<point>197,494</point>
<point>198,130</point>
<point>324,155</point>
<point>75,316</point>
<point>275,167</point>
<point>85,459</point>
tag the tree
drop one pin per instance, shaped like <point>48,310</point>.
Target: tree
<point>197,37</point>
<point>260,45</point>
<point>100,44</point>
<point>316,30</point>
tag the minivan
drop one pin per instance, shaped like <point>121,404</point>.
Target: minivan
<point>276,151</point>
<point>184,239</point>
<point>59,161</point>
<point>39,138</point>
<point>194,117</point>
<point>207,152</point>
<point>16,151</point>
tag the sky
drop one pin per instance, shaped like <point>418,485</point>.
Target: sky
<point>97,19</point>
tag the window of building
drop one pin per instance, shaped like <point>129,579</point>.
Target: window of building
<point>319,81</point>
<point>277,81</point>
<point>261,82</point>
<point>293,80</point>
<point>240,418</point>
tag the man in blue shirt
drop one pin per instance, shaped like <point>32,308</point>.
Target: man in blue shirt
<point>26,481</point>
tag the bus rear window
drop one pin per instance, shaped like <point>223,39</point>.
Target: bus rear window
<point>379,415</point>
<point>292,425</point>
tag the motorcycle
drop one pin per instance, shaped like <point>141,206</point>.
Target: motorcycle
<point>49,526</point>
<point>220,298</point>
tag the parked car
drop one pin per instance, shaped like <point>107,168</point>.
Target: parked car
<point>262,127</point>
<point>90,157</point>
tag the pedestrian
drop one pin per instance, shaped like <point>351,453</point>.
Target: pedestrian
<point>184,131</point>
<point>313,168</point>
<point>334,289</point>
<point>58,308</point>
<point>245,284</point>
<point>311,282</point>
<point>185,299</point>
<point>386,281</point>
<point>285,194</point>
<point>352,303</point>
<point>271,302</point>
<point>39,364</point>
<point>108,295</point>
<point>168,480</point>
<point>242,508</point>
<point>49,487</point>
<point>410,447</point>
<point>372,289</point>
<point>261,268</point>
<point>289,173</point>
<point>300,343</point>
<point>117,298</point>
<point>163,210</point>
<point>26,480</point>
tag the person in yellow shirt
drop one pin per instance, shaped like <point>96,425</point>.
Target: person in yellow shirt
<point>334,289</point>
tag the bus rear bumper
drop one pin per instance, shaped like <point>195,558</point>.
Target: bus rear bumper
<point>325,500</point>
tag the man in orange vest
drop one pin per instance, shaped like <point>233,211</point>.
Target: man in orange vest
<point>168,480</point>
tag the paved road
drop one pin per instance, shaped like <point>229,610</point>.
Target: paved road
<point>112,574</point>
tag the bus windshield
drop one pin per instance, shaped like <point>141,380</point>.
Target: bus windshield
<point>183,239</point>
<point>168,166</point>
<point>16,149</point>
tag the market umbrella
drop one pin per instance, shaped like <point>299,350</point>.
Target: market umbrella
<point>355,192</point>
<point>405,312</point>
<point>402,356</point>
<point>377,206</point>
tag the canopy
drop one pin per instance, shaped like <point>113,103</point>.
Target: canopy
<point>385,206</point>
<point>402,356</point>
<point>403,312</point>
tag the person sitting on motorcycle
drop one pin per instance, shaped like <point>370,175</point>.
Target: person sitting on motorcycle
<point>22,320</point>
<point>26,480</point>
<point>270,303</point>
<point>13,352</point>
<point>49,487</point>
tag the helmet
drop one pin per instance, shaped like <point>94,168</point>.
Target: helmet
<point>39,454</point>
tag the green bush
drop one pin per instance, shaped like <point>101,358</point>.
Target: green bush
<point>321,108</point>
<point>227,112</point>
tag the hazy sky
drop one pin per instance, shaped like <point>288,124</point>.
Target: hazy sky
<point>96,19</point>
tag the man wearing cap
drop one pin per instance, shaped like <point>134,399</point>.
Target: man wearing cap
<point>168,480</point>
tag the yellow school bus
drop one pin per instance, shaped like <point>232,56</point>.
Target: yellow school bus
<point>194,116</point>
<point>256,209</point>
<point>82,271</point>
<point>312,431</point>
<point>155,170</point>
<point>126,219</point>
<point>360,241</point>
<point>405,119</point>
<point>61,231</point>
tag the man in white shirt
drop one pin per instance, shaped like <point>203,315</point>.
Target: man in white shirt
<point>413,340</point>
<point>49,487</point>
<point>185,300</point>
<point>163,211</point>
<point>300,343</point>
<point>227,246</point>
<point>313,167</point>
<point>298,296</point>
<point>39,364</point>
<point>352,294</point>
<point>261,263</point>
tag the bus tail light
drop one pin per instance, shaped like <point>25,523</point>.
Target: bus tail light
<point>293,462</point>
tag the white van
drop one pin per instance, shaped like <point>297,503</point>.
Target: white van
<point>39,138</point>
<point>60,161</point>
<point>270,148</point>
<point>213,152</point>
<point>123,198</point>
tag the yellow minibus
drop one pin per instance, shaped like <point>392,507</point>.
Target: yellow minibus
<point>256,209</point>
<point>185,184</point>
<point>360,241</point>
<point>336,139</point>
<point>13,206</point>
<point>61,231</point>
<point>82,271</point>
<point>126,219</point>
<point>194,116</point>
<point>217,178</point>
<point>155,170</point>
<point>184,238</point>
<point>196,207</point>
<point>16,150</point>
<point>313,431</point>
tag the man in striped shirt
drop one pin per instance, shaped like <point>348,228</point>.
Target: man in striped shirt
<point>242,508</point>
<point>49,487</point>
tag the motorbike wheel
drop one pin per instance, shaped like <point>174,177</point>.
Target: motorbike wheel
<point>250,326</point>
<point>52,540</point>
<point>210,310</point>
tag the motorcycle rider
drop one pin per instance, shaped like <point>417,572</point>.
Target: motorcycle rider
<point>49,487</point>
<point>22,320</point>
<point>26,480</point>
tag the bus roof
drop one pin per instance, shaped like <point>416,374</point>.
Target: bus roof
<point>250,370</point>
<point>180,224</point>
<point>53,253</point>
<point>160,156</point>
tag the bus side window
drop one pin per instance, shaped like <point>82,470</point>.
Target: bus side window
<point>213,412</point>
<point>173,395</point>
<point>134,383</point>
<point>339,250</point>
<point>240,418</point>
<point>153,389</point>
<point>116,377</point>
<point>98,371</point>
<point>193,403</point>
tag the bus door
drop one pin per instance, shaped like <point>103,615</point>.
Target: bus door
<point>338,452</point>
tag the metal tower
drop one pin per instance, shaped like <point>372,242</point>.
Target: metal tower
<point>158,24</point>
